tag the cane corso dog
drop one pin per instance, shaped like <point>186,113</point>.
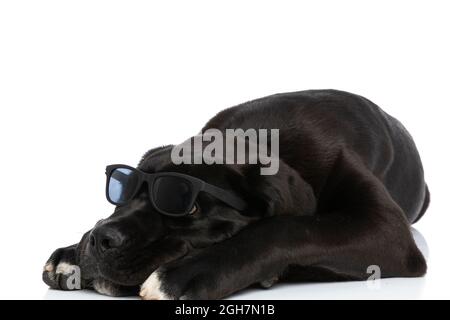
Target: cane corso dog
<point>349,184</point>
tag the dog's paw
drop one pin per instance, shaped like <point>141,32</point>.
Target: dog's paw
<point>186,279</point>
<point>152,288</point>
<point>61,272</point>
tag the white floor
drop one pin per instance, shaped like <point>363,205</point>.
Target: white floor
<point>387,289</point>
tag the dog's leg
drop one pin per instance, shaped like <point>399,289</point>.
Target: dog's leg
<point>267,250</point>
<point>365,227</point>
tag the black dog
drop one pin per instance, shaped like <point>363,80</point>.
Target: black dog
<point>350,183</point>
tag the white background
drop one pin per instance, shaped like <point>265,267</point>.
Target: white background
<point>88,83</point>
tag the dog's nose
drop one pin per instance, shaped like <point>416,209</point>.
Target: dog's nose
<point>104,238</point>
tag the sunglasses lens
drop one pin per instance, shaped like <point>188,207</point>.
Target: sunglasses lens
<point>172,195</point>
<point>122,184</point>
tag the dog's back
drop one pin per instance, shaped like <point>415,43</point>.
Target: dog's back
<point>317,125</point>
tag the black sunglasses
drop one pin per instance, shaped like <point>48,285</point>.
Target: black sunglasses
<point>170,193</point>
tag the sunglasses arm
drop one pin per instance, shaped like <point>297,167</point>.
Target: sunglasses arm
<point>225,196</point>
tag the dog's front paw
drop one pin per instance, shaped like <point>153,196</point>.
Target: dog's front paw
<point>152,288</point>
<point>188,279</point>
<point>61,272</point>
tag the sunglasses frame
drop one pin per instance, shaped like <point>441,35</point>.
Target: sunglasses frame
<point>197,185</point>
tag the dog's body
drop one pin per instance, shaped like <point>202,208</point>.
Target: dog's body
<point>349,185</point>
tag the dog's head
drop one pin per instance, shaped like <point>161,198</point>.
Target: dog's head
<point>136,239</point>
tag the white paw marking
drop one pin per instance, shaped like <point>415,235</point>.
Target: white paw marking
<point>151,288</point>
<point>62,268</point>
<point>65,268</point>
<point>49,267</point>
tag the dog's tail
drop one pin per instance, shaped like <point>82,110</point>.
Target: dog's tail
<point>425,205</point>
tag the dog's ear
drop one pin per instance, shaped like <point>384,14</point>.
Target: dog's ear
<point>285,192</point>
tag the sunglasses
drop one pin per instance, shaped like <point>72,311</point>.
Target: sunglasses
<point>170,193</point>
